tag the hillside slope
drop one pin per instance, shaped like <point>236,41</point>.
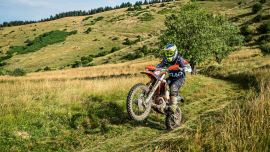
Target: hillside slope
<point>105,31</point>
<point>83,109</point>
<point>227,105</point>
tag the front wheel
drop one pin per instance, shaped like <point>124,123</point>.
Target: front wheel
<point>136,106</point>
<point>173,121</point>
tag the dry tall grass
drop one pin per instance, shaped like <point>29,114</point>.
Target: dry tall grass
<point>107,70</point>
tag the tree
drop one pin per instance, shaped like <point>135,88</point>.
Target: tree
<point>200,35</point>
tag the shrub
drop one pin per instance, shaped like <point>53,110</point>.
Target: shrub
<point>3,63</point>
<point>256,8</point>
<point>264,39</point>
<point>115,38</point>
<point>135,8</point>
<point>262,1</point>
<point>162,5</point>
<point>18,72</point>
<point>86,60</point>
<point>114,49</point>
<point>100,54</point>
<point>265,48</point>
<point>257,18</point>
<point>28,42</point>
<point>3,71</point>
<point>99,18</point>
<point>88,30</point>
<point>246,30</point>
<point>86,18</point>
<point>145,50</point>
<point>264,28</point>
<point>146,17</point>
<point>127,41</point>
<point>130,9</point>
<point>76,64</point>
<point>248,38</point>
<point>166,11</point>
<point>133,56</point>
<point>139,38</point>
<point>47,68</point>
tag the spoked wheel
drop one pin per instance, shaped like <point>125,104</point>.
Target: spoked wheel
<point>137,108</point>
<point>173,121</point>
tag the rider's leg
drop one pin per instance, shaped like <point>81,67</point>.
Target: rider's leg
<point>174,91</point>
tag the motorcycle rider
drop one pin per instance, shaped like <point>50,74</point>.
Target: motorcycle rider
<point>177,76</point>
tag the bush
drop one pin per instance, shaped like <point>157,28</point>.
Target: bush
<point>248,38</point>
<point>146,17</point>
<point>265,48</point>
<point>133,56</point>
<point>99,18</point>
<point>114,49</point>
<point>88,30</point>
<point>28,42</point>
<point>127,41</point>
<point>86,60</point>
<point>47,68</point>
<point>86,18</point>
<point>135,8</point>
<point>100,54</point>
<point>256,8</point>
<point>76,64</point>
<point>264,28</point>
<point>130,9</point>
<point>262,1</point>
<point>162,5</point>
<point>3,71</point>
<point>144,50</point>
<point>257,18</point>
<point>115,38</point>
<point>246,30</point>
<point>263,39</point>
<point>18,72</point>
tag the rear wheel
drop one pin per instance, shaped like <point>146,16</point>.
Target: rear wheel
<point>173,120</point>
<point>136,106</point>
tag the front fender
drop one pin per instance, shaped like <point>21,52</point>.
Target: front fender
<point>151,75</point>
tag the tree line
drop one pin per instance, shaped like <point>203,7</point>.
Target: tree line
<point>83,13</point>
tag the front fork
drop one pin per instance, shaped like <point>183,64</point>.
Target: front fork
<point>153,90</point>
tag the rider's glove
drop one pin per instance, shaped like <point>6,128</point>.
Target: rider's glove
<point>157,72</point>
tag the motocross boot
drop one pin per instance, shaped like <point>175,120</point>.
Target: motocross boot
<point>173,104</point>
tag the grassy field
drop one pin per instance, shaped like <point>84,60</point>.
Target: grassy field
<point>227,105</point>
<point>84,110</point>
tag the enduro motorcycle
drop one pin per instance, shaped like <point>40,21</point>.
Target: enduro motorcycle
<point>153,95</point>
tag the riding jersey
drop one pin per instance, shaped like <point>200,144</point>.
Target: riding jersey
<point>174,74</point>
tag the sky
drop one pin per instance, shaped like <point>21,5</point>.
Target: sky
<point>11,10</point>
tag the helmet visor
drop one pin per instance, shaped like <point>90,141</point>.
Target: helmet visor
<point>169,52</point>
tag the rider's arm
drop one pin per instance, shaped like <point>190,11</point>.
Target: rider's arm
<point>162,64</point>
<point>181,62</point>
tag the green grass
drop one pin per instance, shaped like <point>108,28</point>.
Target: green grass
<point>226,111</point>
<point>41,41</point>
<point>50,122</point>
